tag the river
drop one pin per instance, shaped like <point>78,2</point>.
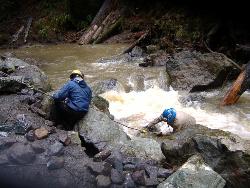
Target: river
<point>132,106</point>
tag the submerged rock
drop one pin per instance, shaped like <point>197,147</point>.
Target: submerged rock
<point>194,174</point>
<point>106,85</point>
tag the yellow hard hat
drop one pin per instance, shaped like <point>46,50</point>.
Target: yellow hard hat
<point>76,72</point>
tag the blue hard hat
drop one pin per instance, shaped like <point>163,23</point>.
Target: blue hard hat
<point>169,114</point>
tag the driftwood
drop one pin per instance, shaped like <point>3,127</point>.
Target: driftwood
<point>16,35</point>
<point>106,16</point>
<point>244,48</point>
<point>234,93</point>
<point>142,37</point>
<point>26,32</point>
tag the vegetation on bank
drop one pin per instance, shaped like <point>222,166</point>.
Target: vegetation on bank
<point>172,23</point>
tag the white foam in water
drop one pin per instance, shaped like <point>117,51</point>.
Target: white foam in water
<point>136,109</point>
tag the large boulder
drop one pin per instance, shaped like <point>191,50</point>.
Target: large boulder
<point>226,153</point>
<point>194,174</point>
<point>100,87</point>
<point>98,130</point>
<point>198,72</point>
<point>11,84</point>
<point>29,74</point>
<point>10,64</point>
<point>34,76</point>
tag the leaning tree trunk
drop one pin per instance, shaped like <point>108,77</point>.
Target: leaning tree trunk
<point>105,22</point>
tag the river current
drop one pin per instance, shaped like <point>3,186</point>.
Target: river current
<point>132,106</point>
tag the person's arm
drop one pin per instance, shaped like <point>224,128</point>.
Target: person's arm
<point>63,93</point>
<point>154,122</point>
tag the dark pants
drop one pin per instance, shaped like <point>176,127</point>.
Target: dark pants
<point>66,116</point>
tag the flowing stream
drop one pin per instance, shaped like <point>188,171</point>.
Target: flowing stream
<point>144,96</point>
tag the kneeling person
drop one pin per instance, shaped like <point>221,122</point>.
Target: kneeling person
<point>176,119</point>
<point>72,100</point>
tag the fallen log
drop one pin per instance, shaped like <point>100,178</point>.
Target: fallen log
<point>16,35</point>
<point>234,93</point>
<point>142,37</point>
<point>26,32</point>
<point>101,19</point>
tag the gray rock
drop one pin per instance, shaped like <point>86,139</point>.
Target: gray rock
<point>56,149</point>
<point>152,171</point>
<point>131,160</point>
<point>101,156</point>
<point>6,127</point>
<point>55,163</point>
<point>139,177</point>
<point>116,177</point>
<point>98,129</point>
<point>151,182</point>
<point>188,69</point>
<point>21,154</point>
<point>64,139</point>
<point>136,52</point>
<point>115,159</point>
<point>137,80</point>
<point>128,182</point>
<point>5,143</point>
<point>10,64</point>
<point>48,106</point>
<point>30,136</point>
<point>164,173</point>
<point>37,147</point>
<point>106,85</point>
<point>3,160</point>
<point>194,173</point>
<point>11,84</point>
<point>129,167</point>
<point>22,125</point>
<point>103,181</point>
<point>34,76</point>
<point>222,151</point>
<point>100,168</point>
<point>74,137</point>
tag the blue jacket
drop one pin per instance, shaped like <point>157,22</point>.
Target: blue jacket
<point>77,94</point>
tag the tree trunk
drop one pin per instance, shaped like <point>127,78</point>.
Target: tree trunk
<point>106,17</point>
<point>235,91</point>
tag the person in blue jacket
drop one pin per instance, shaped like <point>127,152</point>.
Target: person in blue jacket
<point>72,100</point>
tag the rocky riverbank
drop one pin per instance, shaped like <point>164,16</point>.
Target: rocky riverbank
<point>97,152</point>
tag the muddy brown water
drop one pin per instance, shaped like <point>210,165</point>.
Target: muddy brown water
<point>131,106</point>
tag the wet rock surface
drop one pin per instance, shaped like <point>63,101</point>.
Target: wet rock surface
<point>100,154</point>
<point>198,72</point>
<point>224,152</point>
<point>194,173</point>
<point>106,85</point>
